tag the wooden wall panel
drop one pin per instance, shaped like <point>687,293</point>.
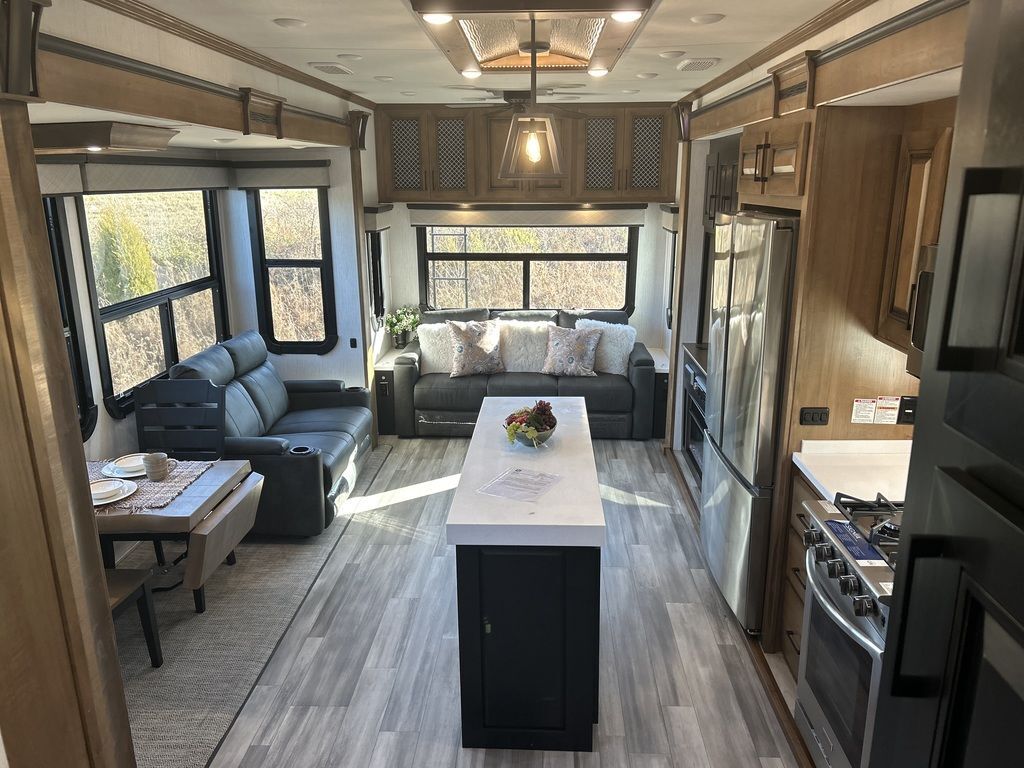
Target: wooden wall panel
<point>935,45</point>
<point>749,108</point>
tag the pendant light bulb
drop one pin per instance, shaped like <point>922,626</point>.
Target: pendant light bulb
<point>533,153</point>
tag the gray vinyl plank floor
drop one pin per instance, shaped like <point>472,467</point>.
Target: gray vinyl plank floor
<point>367,674</point>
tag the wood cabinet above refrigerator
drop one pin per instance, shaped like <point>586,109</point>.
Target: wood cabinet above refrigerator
<point>773,157</point>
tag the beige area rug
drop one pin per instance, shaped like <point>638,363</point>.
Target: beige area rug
<point>181,711</point>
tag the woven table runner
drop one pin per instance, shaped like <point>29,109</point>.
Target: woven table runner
<point>153,495</point>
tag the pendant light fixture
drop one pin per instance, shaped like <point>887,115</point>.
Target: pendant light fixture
<point>532,150</point>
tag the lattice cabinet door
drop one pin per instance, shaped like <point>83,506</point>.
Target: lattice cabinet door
<point>450,156</point>
<point>402,140</point>
<point>650,161</point>
<point>599,158</point>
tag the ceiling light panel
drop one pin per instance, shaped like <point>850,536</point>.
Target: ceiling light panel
<point>496,39</point>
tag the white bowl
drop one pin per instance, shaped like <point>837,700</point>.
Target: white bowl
<point>105,489</point>
<point>130,463</point>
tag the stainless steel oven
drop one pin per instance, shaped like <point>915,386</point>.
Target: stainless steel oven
<point>841,649</point>
<point>694,424</point>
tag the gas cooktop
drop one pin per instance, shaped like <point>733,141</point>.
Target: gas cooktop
<point>878,521</point>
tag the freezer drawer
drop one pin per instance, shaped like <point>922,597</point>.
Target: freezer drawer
<point>734,536</point>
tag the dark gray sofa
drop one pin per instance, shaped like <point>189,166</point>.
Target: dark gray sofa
<point>434,404</point>
<point>268,421</point>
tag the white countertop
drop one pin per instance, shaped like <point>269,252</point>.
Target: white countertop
<point>568,515</point>
<point>660,359</point>
<point>860,468</point>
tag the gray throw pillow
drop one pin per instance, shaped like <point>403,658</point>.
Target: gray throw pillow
<point>571,352</point>
<point>476,348</point>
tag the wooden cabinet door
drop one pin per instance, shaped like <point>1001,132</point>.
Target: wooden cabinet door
<point>753,146</point>
<point>649,163</point>
<point>494,133</point>
<point>711,181</point>
<point>402,156</point>
<point>450,156</point>
<point>917,209</point>
<point>728,174</point>
<point>599,156</point>
<point>785,159</point>
<point>556,190</point>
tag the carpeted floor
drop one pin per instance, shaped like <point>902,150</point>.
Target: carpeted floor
<point>180,711</point>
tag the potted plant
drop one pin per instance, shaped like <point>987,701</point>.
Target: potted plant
<point>400,324</point>
<point>531,426</point>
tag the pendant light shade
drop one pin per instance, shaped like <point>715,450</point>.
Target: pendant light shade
<point>532,150</point>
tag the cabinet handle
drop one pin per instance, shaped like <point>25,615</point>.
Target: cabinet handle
<point>799,577</point>
<point>790,634</point>
<point>761,162</point>
<point>911,306</point>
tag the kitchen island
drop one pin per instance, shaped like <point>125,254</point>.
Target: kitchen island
<point>529,576</point>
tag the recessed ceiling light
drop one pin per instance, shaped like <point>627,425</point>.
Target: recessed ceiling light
<point>672,54</point>
<point>626,17</point>
<point>290,23</point>
<point>94,148</point>
<point>471,74</point>
<point>384,78</point>
<point>437,18</point>
<point>707,18</point>
<point>350,57</point>
<point>647,75</point>
<point>631,90</point>
<point>597,71</point>
<point>226,140</point>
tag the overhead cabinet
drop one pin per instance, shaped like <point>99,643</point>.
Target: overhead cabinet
<point>612,152</point>
<point>425,154</point>
<point>773,157</point>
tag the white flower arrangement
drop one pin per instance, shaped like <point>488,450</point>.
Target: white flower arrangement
<point>402,320</point>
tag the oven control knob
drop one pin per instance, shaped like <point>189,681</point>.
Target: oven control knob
<point>823,552</point>
<point>836,568</point>
<point>811,537</point>
<point>849,584</point>
<point>864,605</point>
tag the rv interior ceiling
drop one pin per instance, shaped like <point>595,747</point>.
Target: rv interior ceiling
<point>450,383</point>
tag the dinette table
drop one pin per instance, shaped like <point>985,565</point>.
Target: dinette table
<point>211,515</point>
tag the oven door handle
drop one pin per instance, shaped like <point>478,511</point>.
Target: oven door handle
<point>835,614</point>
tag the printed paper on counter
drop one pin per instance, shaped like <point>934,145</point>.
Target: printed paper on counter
<point>887,409</point>
<point>520,485</point>
<point>864,410</point>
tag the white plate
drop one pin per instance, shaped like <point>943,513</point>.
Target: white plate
<point>128,490</point>
<point>110,470</point>
<point>105,489</point>
<point>130,463</point>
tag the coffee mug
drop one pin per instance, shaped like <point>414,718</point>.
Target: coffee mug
<point>156,466</point>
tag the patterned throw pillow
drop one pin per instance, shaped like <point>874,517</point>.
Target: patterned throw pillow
<point>571,352</point>
<point>476,348</point>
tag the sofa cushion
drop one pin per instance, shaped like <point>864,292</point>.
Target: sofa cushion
<point>436,348</point>
<point>615,346</point>
<point>568,318</point>
<point>266,390</point>
<point>247,351</point>
<point>440,392</point>
<point>431,316</point>
<point>604,393</point>
<point>526,315</point>
<point>526,384</point>
<point>241,416</point>
<point>524,345</point>
<point>213,363</point>
<point>353,420</point>
<point>335,448</point>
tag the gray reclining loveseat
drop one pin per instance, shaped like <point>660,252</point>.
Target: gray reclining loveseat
<point>619,407</point>
<point>274,423</point>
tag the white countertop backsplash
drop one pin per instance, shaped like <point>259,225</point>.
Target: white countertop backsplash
<point>858,468</point>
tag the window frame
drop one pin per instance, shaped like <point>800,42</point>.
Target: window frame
<point>119,406</point>
<point>374,257</point>
<point>261,271</point>
<point>630,257</point>
<point>56,216</point>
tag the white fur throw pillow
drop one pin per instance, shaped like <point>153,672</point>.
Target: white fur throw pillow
<point>615,346</point>
<point>435,348</point>
<point>524,345</point>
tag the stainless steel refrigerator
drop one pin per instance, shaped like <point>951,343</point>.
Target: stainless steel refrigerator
<point>750,283</point>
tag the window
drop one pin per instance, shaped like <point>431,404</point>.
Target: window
<point>291,246</point>
<point>71,318</point>
<point>154,271</point>
<point>374,253</point>
<point>528,267</point>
